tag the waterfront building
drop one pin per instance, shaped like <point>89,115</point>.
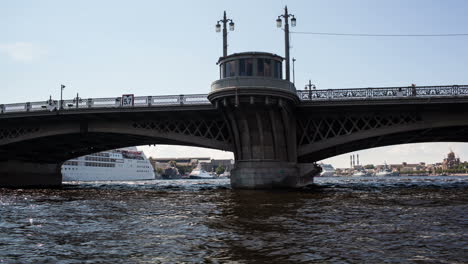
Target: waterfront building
<point>408,167</point>
<point>185,161</point>
<point>450,162</point>
<point>205,163</point>
<point>228,164</point>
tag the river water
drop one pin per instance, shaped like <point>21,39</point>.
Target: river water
<point>340,220</point>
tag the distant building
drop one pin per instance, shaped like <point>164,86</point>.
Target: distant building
<point>450,162</point>
<point>228,164</point>
<point>206,163</point>
<point>164,162</point>
<point>407,167</point>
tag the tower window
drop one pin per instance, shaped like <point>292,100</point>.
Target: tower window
<point>260,67</point>
<point>267,63</point>
<point>230,68</point>
<point>245,67</point>
<point>277,73</point>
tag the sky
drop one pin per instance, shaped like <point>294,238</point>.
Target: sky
<point>109,48</point>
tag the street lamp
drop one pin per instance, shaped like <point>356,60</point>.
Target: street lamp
<point>293,21</point>
<point>225,20</point>
<point>61,95</point>
<point>294,75</point>
<point>310,86</point>
<point>279,23</point>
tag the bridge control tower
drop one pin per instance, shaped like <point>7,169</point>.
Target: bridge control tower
<point>259,107</point>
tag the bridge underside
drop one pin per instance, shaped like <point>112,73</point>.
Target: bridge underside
<point>451,134</point>
<point>38,162</point>
<point>32,149</point>
<point>332,129</point>
<point>59,148</point>
<point>57,138</point>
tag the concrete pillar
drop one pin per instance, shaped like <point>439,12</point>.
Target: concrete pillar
<point>264,131</point>
<point>15,173</point>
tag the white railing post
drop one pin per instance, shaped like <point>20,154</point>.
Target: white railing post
<point>414,91</point>
<point>399,92</point>
<point>89,103</point>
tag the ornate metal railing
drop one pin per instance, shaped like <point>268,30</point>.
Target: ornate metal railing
<point>126,101</point>
<point>130,101</point>
<point>383,93</point>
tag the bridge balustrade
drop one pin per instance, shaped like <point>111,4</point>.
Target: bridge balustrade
<point>383,93</point>
<point>201,99</point>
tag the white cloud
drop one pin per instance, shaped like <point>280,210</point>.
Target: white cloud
<point>22,51</point>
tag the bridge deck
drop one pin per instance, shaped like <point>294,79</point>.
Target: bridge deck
<point>387,95</point>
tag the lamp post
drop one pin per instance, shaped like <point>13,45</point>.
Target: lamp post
<point>286,17</point>
<point>310,86</point>
<point>61,96</point>
<point>77,100</point>
<point>225,20</point>
<point>294,75</point>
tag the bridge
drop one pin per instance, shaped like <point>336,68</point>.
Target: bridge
<point>276,132</point>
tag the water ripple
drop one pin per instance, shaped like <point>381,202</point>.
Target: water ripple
<point>337,220</point>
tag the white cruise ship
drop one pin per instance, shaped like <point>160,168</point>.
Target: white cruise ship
<point>127,164</point>
<point>327,170</point>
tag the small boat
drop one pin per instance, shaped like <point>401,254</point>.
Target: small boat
<point>199,173</point>
<point>362,173</point>
<point>225,174</point>
<point>385,171</point>
<point>359,174</point>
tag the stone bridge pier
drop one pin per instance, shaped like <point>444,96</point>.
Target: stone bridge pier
<point>14,173</point>
<point>259,107</point>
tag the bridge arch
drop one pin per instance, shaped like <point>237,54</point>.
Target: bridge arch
<point>337,131</point>
<point>33,148</point>
<point>56,138</point>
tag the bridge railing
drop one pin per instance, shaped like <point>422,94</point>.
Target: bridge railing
<point>112,102</point>
<point>383,93</point>
<point>201,99</point>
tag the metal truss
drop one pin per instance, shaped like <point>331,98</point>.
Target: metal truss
<point>11,133</point>
<point>209,129</point>
<point>317,129</point>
